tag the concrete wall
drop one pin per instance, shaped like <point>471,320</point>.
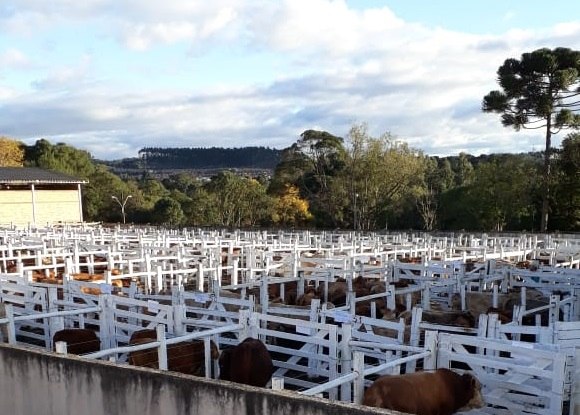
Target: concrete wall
<point>16,207</point>
<point>40,383</point>
<point>58,205</point>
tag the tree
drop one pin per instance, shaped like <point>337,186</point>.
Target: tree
<point>203,208</point>
<point>501,192</point>
<point>11,152</point>
<point>168,211</point>
<point>379,173</point>
<point>463,170</point>
<point>239,201</point>
<point>567,188</point>
<point>152,191</point>
<point>539,91</point>
<point>290,209</point>
<point>97,202</point>
<point>258,204</point>
<point>61,157</point>
<point>313,164</point>
<point>427,195</point>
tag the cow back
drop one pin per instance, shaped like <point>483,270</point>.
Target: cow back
<point>249,363</point>
<point>184,357</point>
<point>78,341</point>
<point>441,392</point>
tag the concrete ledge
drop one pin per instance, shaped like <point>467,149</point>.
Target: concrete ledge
<point>36,382</point>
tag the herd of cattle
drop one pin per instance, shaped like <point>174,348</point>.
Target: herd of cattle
<point>423,393</point>
<point>248,363</point>
<point>442,391</point>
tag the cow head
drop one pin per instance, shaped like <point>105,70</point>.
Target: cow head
<point>472,386</point>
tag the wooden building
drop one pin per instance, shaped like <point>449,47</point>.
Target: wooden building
<point>37,197</point>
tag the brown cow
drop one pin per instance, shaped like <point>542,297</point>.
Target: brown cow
<point>449,318</point>
<point>441,392</point>
<point>249,363</point>
<point>184,357</point>
<point>78,341</point>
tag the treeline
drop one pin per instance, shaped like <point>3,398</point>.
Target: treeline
<point>324,181</point>
<point>209,158</point>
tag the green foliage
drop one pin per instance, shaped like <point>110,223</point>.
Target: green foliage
<point>504,191</point>
<point>313,164</point>
<point>152,190</point>
<point>167,211</point>
<point>538,88</point>
<point>567,185</point>
<point>457,210</point>
<point>379,173</point>
<point>239,201</point>
<point>375,183</point>
<point>463,170</point>
<point>539,91</point>
<point>97,202</point>
<point>60,157</point>
<point>202,210</point>
<point>183,182</point>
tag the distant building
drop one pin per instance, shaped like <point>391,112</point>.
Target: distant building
<point>32,196</point>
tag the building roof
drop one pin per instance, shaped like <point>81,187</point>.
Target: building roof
<point>33,175</point>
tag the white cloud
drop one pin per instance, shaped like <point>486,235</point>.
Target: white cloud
<point>142,36</point>
<point>509,15</point>
<point>327,27</point>
<point>332,66</point>
<point>14,59</point>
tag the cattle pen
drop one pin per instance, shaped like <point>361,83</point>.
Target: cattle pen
<point>323,303</point>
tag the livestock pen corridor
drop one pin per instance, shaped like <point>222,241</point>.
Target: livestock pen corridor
<point>335,310</point>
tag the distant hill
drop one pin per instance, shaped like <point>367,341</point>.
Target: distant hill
<point>214,158</point>
<point>209,158</point>
<point>244,158</point>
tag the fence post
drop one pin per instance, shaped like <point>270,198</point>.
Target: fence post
<point>333,359</point>
<point>430,362</point>
<point>277,383</point>
<point>179,316</point>
<point>425,296</point>
<point>575,393</point>
<point>558,383</point>
<point>576,305</point>
<point>207,356</point>
<point>158,280</point>
<point>60,348</point>
<point>11,326</point>
<point>554,313</point>
<point>177,294</point>
<point>200,278</point>
<point>253,324</point>
<point>243,320</point>
<point>359,382</point>
<point>264,293</point>
<point>463,299</point>
<point>162,349</point>
<point>416,317</point>
<point>345,361</point>
<point>443,350</point>
<point>55,323</point>
<point>107,320</point>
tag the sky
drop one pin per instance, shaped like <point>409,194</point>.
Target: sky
<point>114,76</point>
